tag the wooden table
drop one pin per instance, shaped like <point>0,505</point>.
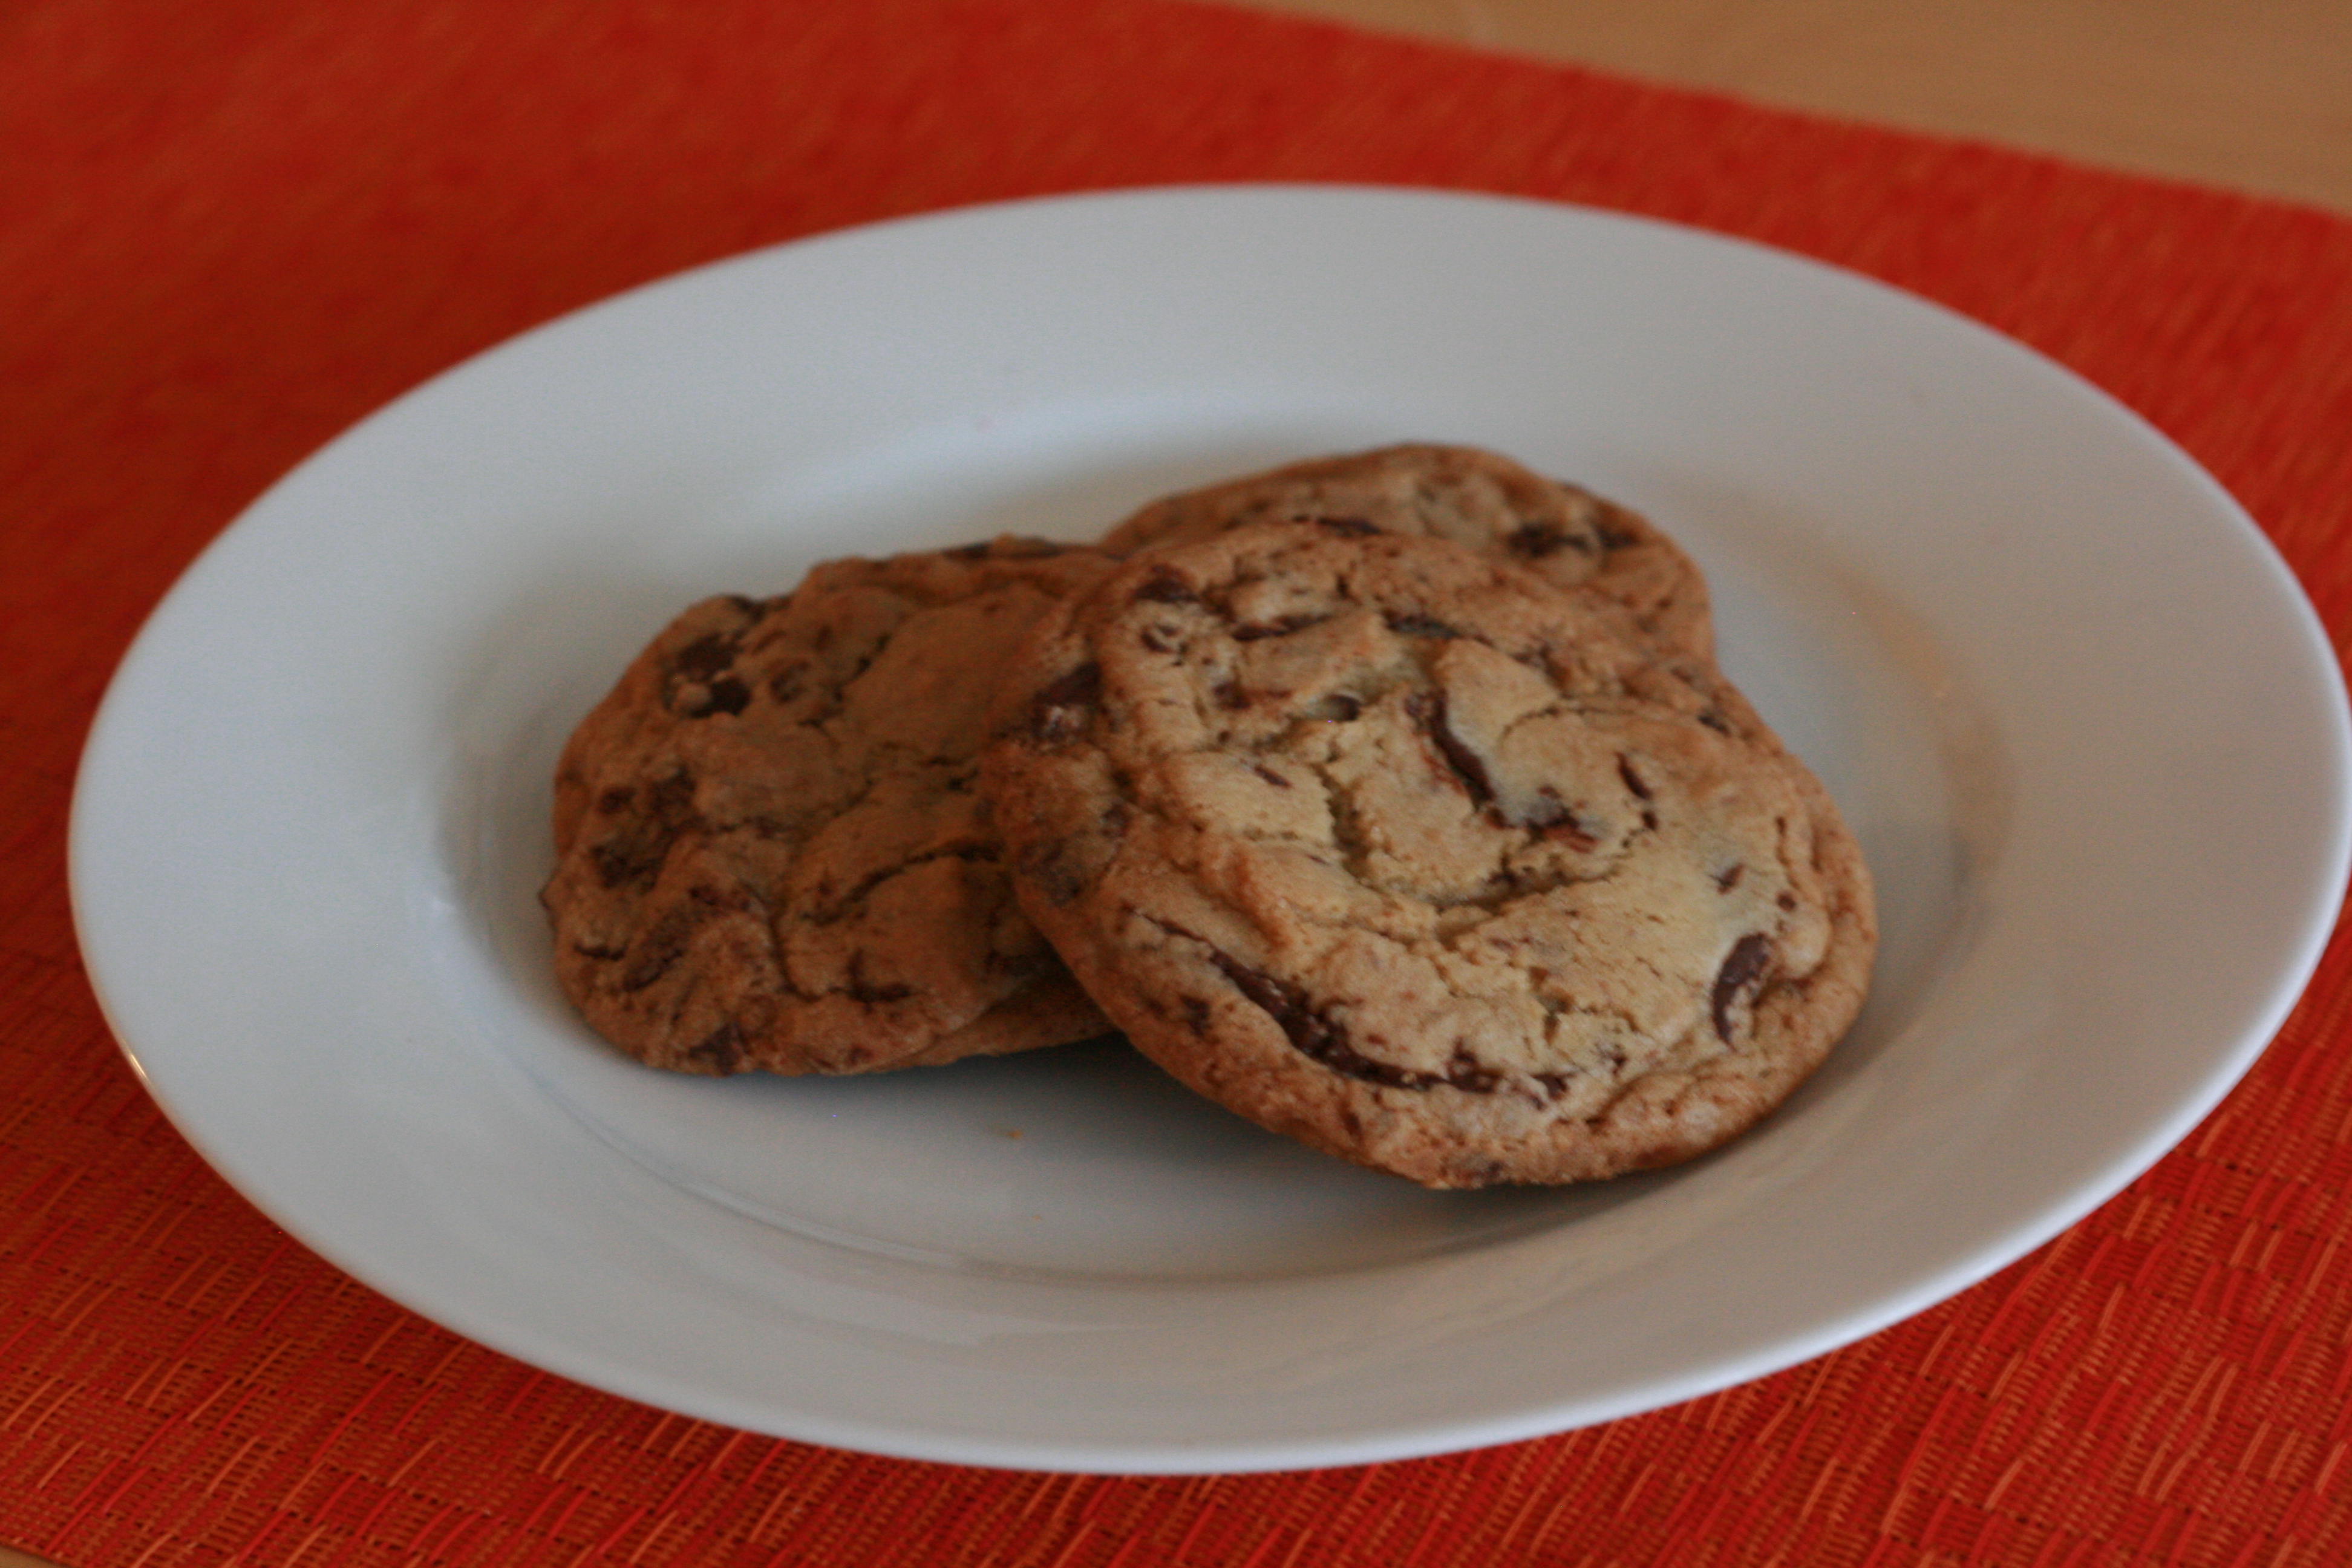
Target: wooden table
<point>2253,97</point>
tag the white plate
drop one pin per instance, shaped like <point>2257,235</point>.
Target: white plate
<point>2087,729</point>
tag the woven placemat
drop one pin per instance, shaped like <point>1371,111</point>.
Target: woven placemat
<point>228,231</point>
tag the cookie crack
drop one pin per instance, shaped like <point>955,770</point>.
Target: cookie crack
<point>834,910</point>
<point>837,702</point>
<point>1314,1033</point>
<point>1743,966</point>
<point>1516,888</point>
<point>1503,891</point>
<point>1347,827</point>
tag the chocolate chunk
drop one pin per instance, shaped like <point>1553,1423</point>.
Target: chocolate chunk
<point>1320,1039</point>
<point>1351,527</point>
<point>861,989</point>
<point>1536,539</point>
<point>652,955</point>
<point>706,656</point>
<point>728,695</point>
<point>722,1050</point>
<point>1164,587</point>
<point>634,855</point>
<point>1553,818</point>
<point>1727,880</point>
<point>1614,537</point>
<point>1063,708</point>
<point>1744,965</point>
<point>701,681</point>
<point>672,798</point>
<point>1469,1075</point>
<point>619,862</point>
<point>1415,624</point>
<point>1428,708</point>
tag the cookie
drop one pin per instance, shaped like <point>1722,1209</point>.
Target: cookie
<point>770,851</point>
<point>1398,849</point>
<point>1567,535</point>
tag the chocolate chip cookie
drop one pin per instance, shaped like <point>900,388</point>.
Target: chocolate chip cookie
<point>1399,849</point>
<point>772,853</point>
<point>1564,534</point>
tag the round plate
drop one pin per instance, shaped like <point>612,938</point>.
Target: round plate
<point>1966,586</point>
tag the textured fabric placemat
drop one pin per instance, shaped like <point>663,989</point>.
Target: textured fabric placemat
<point>227,231</point>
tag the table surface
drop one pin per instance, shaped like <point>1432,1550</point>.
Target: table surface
<point>2255,97</point>
<point>2251,98</point>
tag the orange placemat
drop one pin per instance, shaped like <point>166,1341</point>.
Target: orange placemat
<point>227,231</point>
